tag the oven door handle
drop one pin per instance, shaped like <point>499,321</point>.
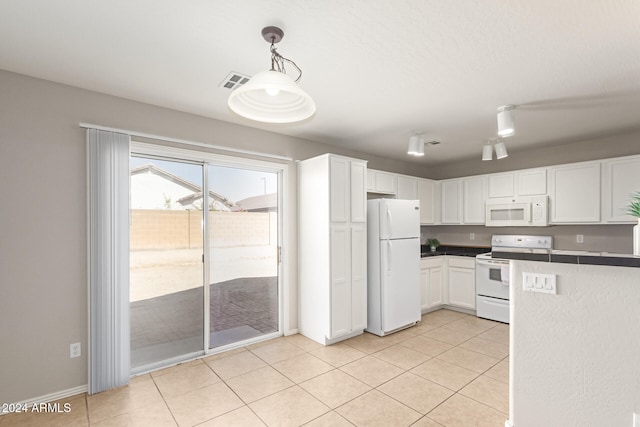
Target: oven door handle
<point>491,262</point>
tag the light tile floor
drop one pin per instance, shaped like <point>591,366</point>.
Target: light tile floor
<point>450,370</point>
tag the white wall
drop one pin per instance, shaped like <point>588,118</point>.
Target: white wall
<point>575,355</point>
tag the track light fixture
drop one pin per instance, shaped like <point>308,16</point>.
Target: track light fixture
<point>505,120</point>
<point>416,144</point>
<point>272,96</point>
<point>500,148</point>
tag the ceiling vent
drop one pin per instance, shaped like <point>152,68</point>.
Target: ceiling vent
<point>234,80</point>
<point>432,142</point>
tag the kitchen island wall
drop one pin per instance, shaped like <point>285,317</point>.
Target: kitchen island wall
<point>574,355</point>
<point>615,238</point>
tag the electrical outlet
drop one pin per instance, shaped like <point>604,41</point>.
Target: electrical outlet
<point>74,350</point>
<point>579,238</point>
<point>472,236</point>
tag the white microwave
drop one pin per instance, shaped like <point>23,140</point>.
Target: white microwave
<point>524,211</point>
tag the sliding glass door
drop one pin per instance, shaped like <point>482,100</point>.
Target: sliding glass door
<point>243,247</point>
<point>205,255</point>
<point>166,240</point>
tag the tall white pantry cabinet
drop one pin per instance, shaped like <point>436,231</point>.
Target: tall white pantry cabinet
<point>332,247</point>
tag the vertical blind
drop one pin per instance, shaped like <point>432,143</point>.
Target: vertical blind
<point>108,246</point>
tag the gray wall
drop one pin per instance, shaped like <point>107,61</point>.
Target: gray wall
<point>592,149</point>
<point>599,238</point>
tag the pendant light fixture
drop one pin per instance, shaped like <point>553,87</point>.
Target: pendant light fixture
<point>505,121</point>
<point>272,96</point>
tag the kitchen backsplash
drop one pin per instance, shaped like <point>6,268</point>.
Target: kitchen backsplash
<point>597,238</point>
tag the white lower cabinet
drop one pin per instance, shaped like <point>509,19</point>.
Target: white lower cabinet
<point>431,282</point>
<point>461,278</point>
<point>448,281</point>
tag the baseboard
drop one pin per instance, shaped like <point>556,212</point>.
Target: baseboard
<point>291,332</point>
<point>51,397</point>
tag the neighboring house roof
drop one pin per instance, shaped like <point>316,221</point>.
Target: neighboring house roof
<point>217,201</point>
<point>262,203</point>
<point>155,188</point>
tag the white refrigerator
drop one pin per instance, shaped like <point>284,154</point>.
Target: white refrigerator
<point>393,265</point>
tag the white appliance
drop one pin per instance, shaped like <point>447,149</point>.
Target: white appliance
<point>492,274</point>
<point>523,211</point>
<point>393,260</point>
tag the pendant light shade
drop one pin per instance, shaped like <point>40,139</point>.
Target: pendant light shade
<point>505,121</point>
<point>272,97</point>
<point>501,151</point>
<point>487,152</point>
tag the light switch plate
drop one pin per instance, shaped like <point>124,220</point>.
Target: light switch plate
<point>538,282</point>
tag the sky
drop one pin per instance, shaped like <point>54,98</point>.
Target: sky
<point>234,183</point>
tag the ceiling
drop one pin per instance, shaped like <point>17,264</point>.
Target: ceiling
<point>377,69</point>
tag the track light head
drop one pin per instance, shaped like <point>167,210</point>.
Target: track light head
<point>505,120</point>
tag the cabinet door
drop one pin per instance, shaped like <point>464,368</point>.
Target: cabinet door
<point>621,178</point>
<point>371,181</point>
<point>531,182</point>
<point>435,295</point>
<point>575,193</point>
<point>425,283</point>
<point>426,196</point>
<point>462,287</point>
<point>501,185</point>
<point>475,195</point>
<point>407,188</point>
<point>451,199</point>
<point>339,189</point>
<point>358,277</point>
<point>340,287</point>
<point>386,182</point>
<point>358,193</point>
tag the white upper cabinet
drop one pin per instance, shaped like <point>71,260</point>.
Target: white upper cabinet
<point>347,193</point>
<point>574,193</point>
<point>463,200</point>
<point>427,198</point>
<point>339,189</point>
<point>407,188</point>
<point>527,182</point>
<point>358,192</point>
<point>381,182</point>
<point>451,201</point>
<point>502,184</point>
<point>620,179</point>
<point>531,182</point>
<point>474,197</point>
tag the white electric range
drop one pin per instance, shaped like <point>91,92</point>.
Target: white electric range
<point>492,274</point>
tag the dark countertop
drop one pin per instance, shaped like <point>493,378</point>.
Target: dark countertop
<point>457,250</point>
<point>573,257</point>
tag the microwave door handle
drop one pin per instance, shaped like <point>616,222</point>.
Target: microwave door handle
<point>527,213</point>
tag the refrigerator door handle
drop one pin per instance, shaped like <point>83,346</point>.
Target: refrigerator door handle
<point>389,222</point>
<point>388,255</point>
